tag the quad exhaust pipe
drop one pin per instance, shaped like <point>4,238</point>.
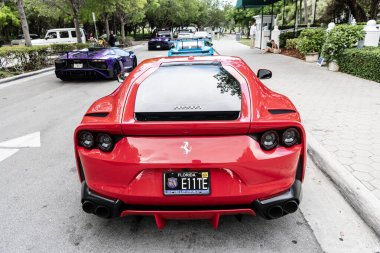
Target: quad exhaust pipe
<point>277,211</point>
<point>91,207</point>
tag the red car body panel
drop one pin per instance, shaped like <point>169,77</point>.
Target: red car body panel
<point>241,171</point>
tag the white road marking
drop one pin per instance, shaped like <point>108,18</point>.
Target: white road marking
<point>5,153</point>
<point>32,140</point>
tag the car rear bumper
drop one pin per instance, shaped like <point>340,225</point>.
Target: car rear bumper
<point>109,208</point>
<point>83,73</point>
<point>159,45</point>
<point>241,173</point>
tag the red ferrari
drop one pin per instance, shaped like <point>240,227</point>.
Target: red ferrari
<point>191,138</point>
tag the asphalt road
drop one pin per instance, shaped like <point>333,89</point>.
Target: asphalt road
<point>40,207</point>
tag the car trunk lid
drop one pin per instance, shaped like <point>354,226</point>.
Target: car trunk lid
<point>188,99</point>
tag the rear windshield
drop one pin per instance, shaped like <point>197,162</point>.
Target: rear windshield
<point>189,44</point>
<point>164,33</point>
<point>207,91</point>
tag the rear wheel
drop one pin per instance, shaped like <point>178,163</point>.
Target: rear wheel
<point>134,63</point>
<point>116,70</point>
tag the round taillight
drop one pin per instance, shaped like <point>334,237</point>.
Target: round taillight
<point>290,137</point>
<point>86,140</point>
<point>105,142</point>
<point>269,140</point>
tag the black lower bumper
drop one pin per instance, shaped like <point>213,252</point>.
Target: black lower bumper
<point>271,208</point>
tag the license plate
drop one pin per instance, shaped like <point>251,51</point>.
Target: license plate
<point>158,46</point>
<point>187,183</point>
<point>78,65</point>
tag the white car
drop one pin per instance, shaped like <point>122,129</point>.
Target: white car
<point>185,34</point>
<point>20,41</point>
<point>202,35</point>
<point>60,36</point>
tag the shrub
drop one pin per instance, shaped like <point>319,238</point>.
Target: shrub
<point>311,41</point>
<point>62,47</point>
<point>339,39</point>
<point>80,46</point>
<point>363,62</point>
<point>291,43</point>
<point>23,58</point>
<point>287,35</point>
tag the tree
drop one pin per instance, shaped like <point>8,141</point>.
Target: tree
<point>9,19</point>
<point>374,10</point>
<point>104,9</point>
<point>75,6</point>
<point>131,12</point>
<point>65,6</point>
<point>24,23</point>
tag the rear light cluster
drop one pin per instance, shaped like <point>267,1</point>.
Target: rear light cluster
<point>271,139</point>
<point>89,140</point>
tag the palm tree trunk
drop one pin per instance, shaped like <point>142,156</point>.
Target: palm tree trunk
<point>122,24</point>
<point>305,12</point>
<point>75,7</point>
<point>24,22</point>
<point>107,25</point>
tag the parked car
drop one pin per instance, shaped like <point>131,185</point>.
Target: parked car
<point>20,40</point>
<point>60,36</point>
<point>191,47</point>
<point>165,33</point>
<point>202,35</point>
<point>191,138</point>
<point>185,34</point>
<point>163,40</point>
<point>94,62</point>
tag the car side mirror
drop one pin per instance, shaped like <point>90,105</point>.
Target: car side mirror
<point>264,74</point>
<point>122,77</point>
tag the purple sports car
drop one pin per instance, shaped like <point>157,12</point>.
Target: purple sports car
<point>94,62</point>
<point>161,41</point>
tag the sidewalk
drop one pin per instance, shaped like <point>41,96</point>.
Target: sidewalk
<point>341,111</point>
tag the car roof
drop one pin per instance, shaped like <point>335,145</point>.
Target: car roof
<point>63,29</point>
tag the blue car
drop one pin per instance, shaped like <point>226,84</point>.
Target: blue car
<point>189,47</point>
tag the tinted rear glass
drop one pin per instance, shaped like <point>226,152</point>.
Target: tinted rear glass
<point>190,44</point>
<point>189,89</point>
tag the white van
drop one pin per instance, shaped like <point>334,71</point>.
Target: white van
<point>60,36</point>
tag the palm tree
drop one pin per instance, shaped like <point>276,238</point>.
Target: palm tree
<point>24,22</point>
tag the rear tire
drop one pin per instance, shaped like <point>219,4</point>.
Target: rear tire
<point>134,63</point>
<point>116,70</point>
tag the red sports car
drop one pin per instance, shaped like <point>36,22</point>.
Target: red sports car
<point>191,138</point>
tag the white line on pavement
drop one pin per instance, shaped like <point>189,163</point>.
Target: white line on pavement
<point>32,140</point>
<point>5,153</point>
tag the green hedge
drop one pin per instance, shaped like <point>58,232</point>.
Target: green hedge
<point>291,43</point>
<point>311,40</point>
<point>21,58</point>
<point>287,35</point>
<point>363,62</point>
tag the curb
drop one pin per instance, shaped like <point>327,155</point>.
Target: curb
<point>357,195</point>
<point>33,73</point>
